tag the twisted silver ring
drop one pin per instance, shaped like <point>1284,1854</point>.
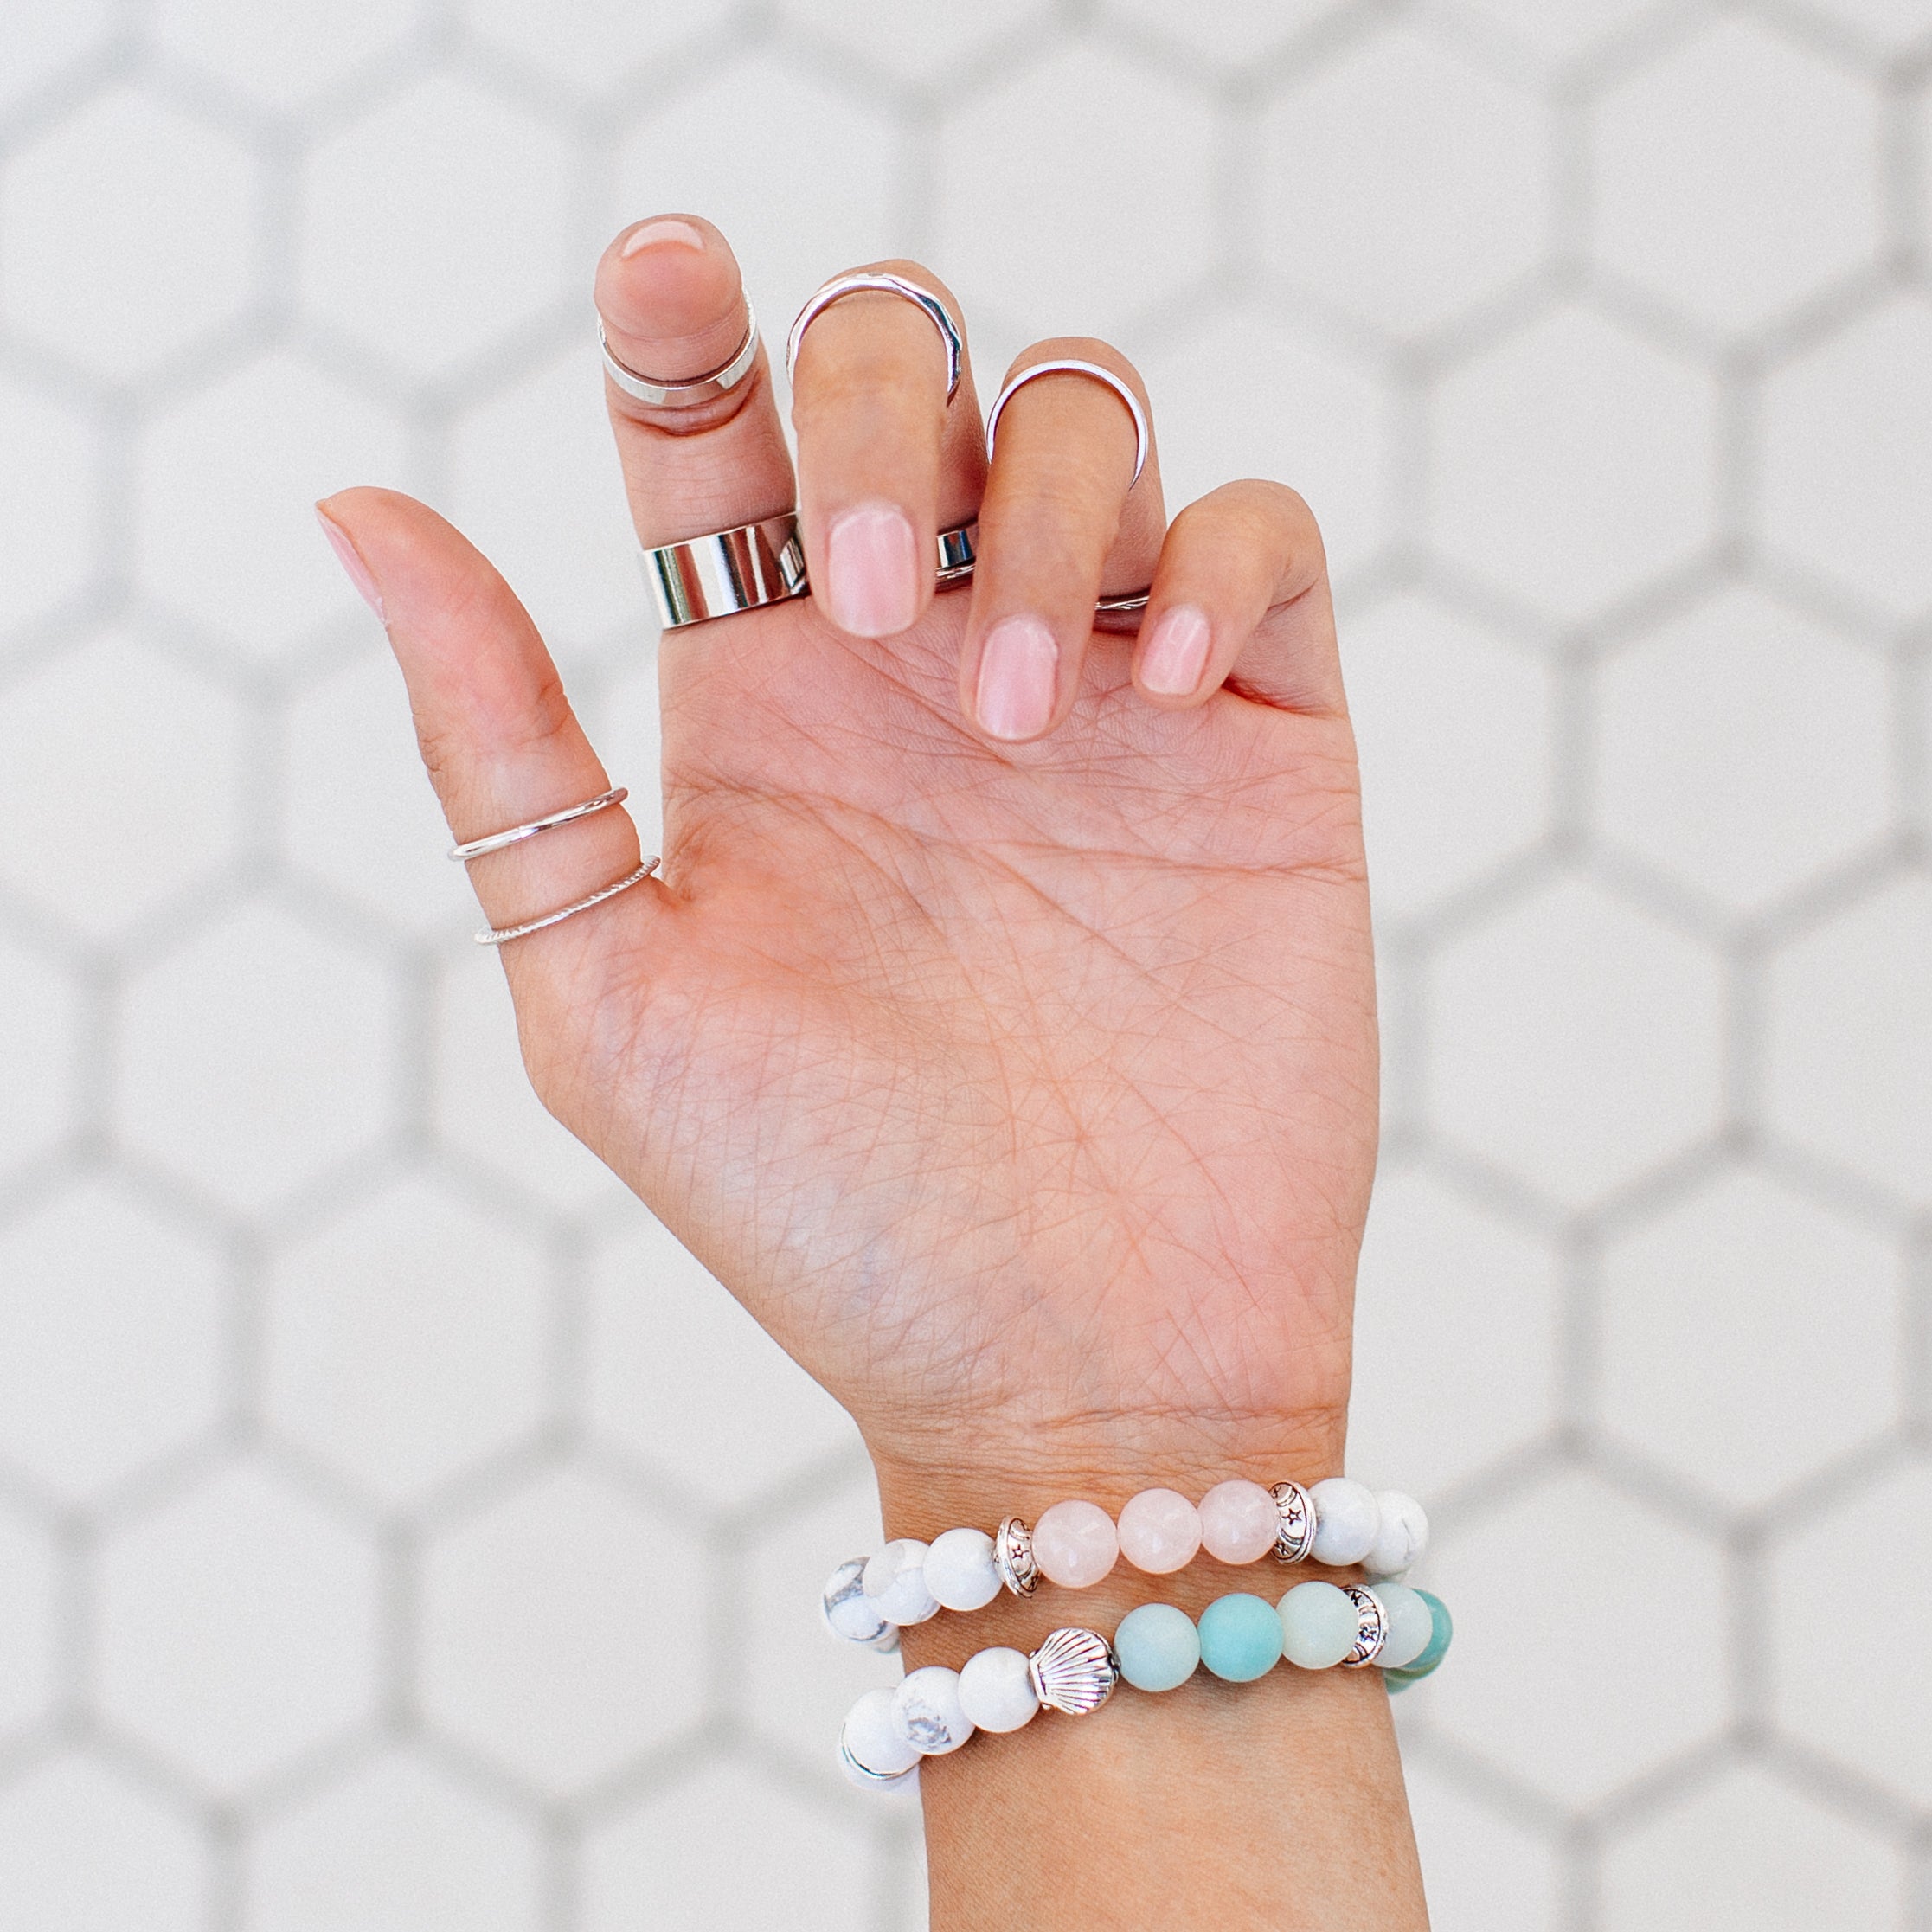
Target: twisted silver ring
<point>698,388</point>
<point>1071,365</point>
<point>496,841</point>
<point>502,935</point>
<point>882,282</point>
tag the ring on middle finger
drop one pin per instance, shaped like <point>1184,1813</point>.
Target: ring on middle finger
<point>882,282</point>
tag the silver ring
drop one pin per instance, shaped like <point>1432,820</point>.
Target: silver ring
<point>1071,365</point>
<point>502,935</point>
<point>958,554</point>
<point>727,572</point>
<point>497,840</point>
<point>882,282</point>
<point>699,389</point>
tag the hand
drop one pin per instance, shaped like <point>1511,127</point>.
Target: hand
<point>1001,1031</point>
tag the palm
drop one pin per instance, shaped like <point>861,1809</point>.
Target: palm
<point>1005,1087</point>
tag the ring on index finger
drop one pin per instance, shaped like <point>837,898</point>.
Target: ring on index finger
<point>1071,365</point>
<point>882,282</point>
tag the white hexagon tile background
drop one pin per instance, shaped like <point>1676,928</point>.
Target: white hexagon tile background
<point>398,1532</point>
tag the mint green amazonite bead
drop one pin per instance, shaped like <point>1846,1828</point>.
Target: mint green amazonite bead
<point>1241,1637</point>
<point>1433,1653</point>
<point>1317,1624</point>
<point>1411,1627</point>
<point>1156,1647</point>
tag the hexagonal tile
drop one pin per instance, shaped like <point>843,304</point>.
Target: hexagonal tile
<point>1747,1850</point>
<point>682,1377</point>
<point>1402,183</point>
<point>1577,1041</point>
<point>358,811</point>
<point>1484,1872</point>
<point>1861,1703</point>
<point>1088,128</point>
<point>50,504</point>
<point>39,1055</point>
<point>127,233</point>
<point>216,1084</point>
<point>144,728</point>
<point>1798,780</point>
<point>396,1846</point>
<point>407,1339</point>
<point>82,1846</point>
<point>919,40</point>
<point>1513,496</point>
<point>1737,176</point>
<point>113,1340</point>
<point>1229,33</point>
<point>1822,1302</point>
<point>726,1846</point>
<point>284,55</point>
<point>224,531</point>
<point>239,1627</point>
<point>50,40</point>
<point>1556,36</point>
<point>437,225</point>
<point>1449,1297</point>
<point>1454,726</point>
<point>1299,416</point>
<point>1611,1582</point>
<point>598,48</point>
<point>31,1615</point>
<point>1849,1046</point>
<point>1847,459</point>
<point>797,173</point>
<point>561,1630</point>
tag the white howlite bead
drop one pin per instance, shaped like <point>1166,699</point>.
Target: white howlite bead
<point>896,1581</point>
<point>874,1736</point>
<point>850,1614</point>
<point>1400,1536</point>
<point>927,1709</point>
<point>996,1690</point>
<point>1346,1520</point>
<point>960,1571</point>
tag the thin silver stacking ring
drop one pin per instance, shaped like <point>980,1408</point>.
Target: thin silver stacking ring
<point>882,282</point>
<point>726,572</point>
<point>1070,365</point>
<point>698,388</point>
<point>958,555</point>
<point>476,848</point>
<point>502,935</point>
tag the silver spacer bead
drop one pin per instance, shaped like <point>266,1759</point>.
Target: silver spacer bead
<point>1295,1534</point>
<point>1371,1627</point>
<point>880,1780</point>
<point>1073,1671</point>
<point>1013,1557</point>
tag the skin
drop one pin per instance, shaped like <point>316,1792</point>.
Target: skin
<point>1024,1087</point>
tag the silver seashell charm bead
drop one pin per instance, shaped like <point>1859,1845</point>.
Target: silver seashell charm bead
<point>1073,1671</point>
<point>1294,1536</point>
<point>1013,1557</point>
<point>1371,1627</point>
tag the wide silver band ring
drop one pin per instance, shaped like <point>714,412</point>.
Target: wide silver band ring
<point>502,935</point>
<point>475,848</point>
<point>727,572</point>
<point>1071,365</point>
<point>697,388</point>
<point>881,282</point>
<point>959,553</point>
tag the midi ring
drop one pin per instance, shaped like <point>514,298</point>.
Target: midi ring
<point>958,554</point>
<point>727,572</point>
<point>502,935</point>
<point>883,282</point>
<point>1069,365</point>
<point>684,395</point>
<point>496,841</point>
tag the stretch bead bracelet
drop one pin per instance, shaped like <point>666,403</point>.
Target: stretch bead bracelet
<point>1239,1638</point>
<point>1077,1544</point>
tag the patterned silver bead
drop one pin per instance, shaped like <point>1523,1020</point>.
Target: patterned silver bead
<point>1013,1557</point>
<point>867,1779</point>
<point>1073,1671</point>
<point>1371,1627</point>
<point>1295,1535</point>
<point>850,1614</point>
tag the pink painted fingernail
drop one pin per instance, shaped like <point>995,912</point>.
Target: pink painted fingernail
<point>351,559</point>
<point>1018,665</point>
<point>681,234</point>
<point>872,571</point>
<point>1176,653</point>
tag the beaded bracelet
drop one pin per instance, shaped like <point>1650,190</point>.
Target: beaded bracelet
<point>1076,1544</point>
<point>1239,1638</point>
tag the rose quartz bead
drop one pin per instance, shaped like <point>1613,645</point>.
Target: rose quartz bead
<point>1161,1531</point>
<point>1074,1545</point>
<point>1238,1522</point>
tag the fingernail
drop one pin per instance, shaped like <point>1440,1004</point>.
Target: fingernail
<point>683,234</point>
<point>1176,654</point>
<point>1018,664</point>
<point>872,571</point>
<point>350,559</point>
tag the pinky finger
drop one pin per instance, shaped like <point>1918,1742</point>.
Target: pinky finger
<point>1240,598</point>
